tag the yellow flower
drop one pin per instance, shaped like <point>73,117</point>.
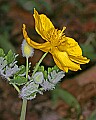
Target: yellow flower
<point>66,52</point>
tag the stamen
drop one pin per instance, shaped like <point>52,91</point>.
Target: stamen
<point>62,31</point>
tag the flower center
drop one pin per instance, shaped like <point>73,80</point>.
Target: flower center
<point>56,36</point>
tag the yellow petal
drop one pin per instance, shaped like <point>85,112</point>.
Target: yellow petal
<point>44,46</point>
<point>63,61</point>
<point>42,24</point>
<point>71,47</point>
<point>79,59</point>
<point>65,69</point>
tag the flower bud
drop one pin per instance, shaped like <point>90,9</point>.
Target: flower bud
<point>27,51</point>
<point>38,77</point>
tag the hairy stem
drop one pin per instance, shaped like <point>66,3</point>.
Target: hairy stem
<point>24,104</point>
<point>36,68</point>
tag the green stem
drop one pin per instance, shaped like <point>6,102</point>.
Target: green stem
<point>36,68</point>
<point>23,110</point>
<point>27,69</point>
<point>24,104</point>
<point>15,86</point>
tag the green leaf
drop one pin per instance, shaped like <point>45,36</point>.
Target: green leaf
<point>1,53</point>
<point>55,68</point>
<point>19,80</point>
<point>29,91</point>
<point>68,98</point>
<point>49,70</point>
<point>92,116</point>
<point>41,68</point>
<point>45,74</point>
<point>21,71</point>
<point>10,57</point>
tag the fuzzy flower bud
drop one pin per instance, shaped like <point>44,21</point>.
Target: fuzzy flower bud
<point>38,77</point>
<point>27,51</point>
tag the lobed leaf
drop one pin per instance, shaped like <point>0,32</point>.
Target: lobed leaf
<point>21,71</point>
<point>19,80</point>
<point>29,91</point>
<point>10,57</point>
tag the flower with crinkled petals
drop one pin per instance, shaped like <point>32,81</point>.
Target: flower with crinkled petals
<point>66,52</point>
